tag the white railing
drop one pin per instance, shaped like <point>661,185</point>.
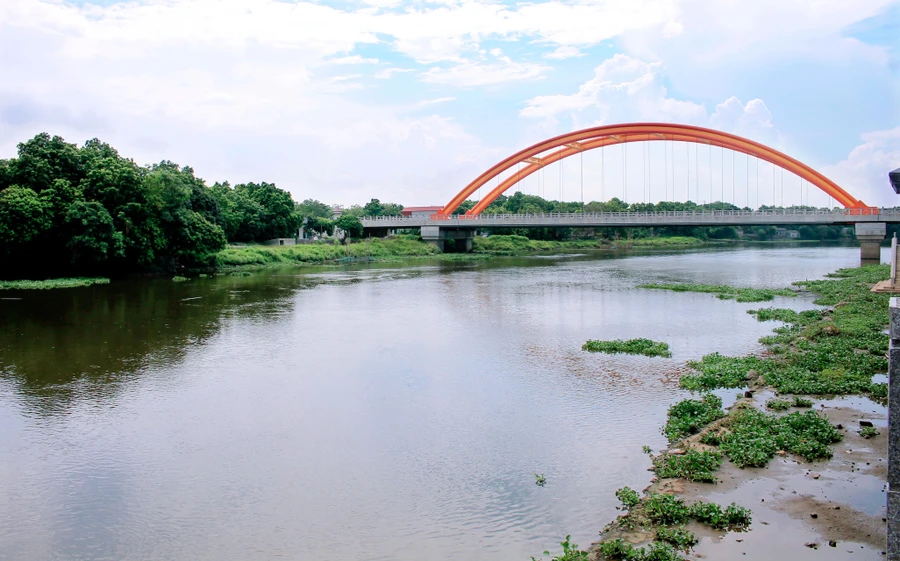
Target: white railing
<point>575,217</point>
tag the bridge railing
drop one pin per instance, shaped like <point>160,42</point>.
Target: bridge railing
<point>591,216</point>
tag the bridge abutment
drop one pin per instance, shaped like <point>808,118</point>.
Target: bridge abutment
<point>439,237</point>
<point>870,235</point>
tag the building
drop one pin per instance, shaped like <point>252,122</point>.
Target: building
<point>785,234</point>
<point>420,211</point>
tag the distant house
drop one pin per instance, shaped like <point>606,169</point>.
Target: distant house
<point>420,211</point>
<point>336,212</point>
<point>785,234</point>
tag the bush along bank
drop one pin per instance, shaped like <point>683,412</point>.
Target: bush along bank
<point>835,351</point>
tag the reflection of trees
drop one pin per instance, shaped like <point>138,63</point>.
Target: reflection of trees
<point>87,342</point>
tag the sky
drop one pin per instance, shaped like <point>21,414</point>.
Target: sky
<point>409,101</point>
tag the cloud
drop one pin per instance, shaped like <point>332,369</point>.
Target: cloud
<point>563,52</point>
<point>864,172</point>
<point>470,73</point>
<point>355,59</point>
<point>388,72</point>
<point>622,89</point>
<point>423,103</point>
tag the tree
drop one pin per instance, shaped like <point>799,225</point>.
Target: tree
<point>93,238</point>
<point>279,218</point>
<point>373,208</point>
<point>312,207</point>
<point>43,159</point>
<point>349,224</point>
<point>22,217</point>
<point>319,225</point>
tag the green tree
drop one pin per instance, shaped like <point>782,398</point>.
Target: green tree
<point>349,224</point>
<point>312,207</point>
<point>93,238</point>
<point>373,208</point>
<point>44,159</point>
<point>278,218</point>
<point>23,217</point>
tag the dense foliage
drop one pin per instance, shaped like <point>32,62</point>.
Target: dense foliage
<point>65,209</point>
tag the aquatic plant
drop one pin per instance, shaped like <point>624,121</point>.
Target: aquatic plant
<point>778,404</point>
<point>646,449</point>
<point>180,279</point>
<point>540,480</point>
<point>688,416</point>
<point>754,437</point>
<point>724,292</point>
<point>868,432</point>
<point>801,402</point>
<point>644,347</point>
<point>51,283</point>
<point>570,552</point>
<point>619,549</point>
<point>628,497</point>
<point>693,465</point>
<point>679,537</point>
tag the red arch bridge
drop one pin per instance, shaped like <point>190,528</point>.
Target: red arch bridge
<point>841,207</point>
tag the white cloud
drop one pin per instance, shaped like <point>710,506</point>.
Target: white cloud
<point>623,89</point>
<point>354,59</point>
<point>864,172</point>
<point>470,73</point>
<point>563,52</point>
<point>388,72</point>
<point>425,102</point>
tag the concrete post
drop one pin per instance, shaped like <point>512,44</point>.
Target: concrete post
<point>870,235</point>
<point>893,496</point>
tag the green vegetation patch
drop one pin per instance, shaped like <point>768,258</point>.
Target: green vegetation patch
<point>52,283</point>
<point>679,537</point>
<point>688,416</point>
<point>752,437</point>
<point>619,549</point>
<point>644,347</point>
<point>724,292</point>
<point>267,256</point>
<point>716,371</point>
<point>778,404</point>
<point>868,432</point>
<point>693,465</point>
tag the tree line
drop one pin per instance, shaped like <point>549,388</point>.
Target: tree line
<point>66,210</point>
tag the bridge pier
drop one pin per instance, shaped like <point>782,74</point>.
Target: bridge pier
<point>437,236</point>
<point>870,235</point>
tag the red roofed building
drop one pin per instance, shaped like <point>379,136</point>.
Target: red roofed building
<point>420,210</point>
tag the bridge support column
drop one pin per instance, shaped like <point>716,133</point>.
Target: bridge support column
<point>437,236</point>
<point>870,235</point>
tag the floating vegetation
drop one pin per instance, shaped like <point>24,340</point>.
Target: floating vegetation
<point>778,404</point>
<point>570,552</point>
<point>644,347</point>
<point>180,279</point>
<point>628,497</point>
<point>693,465</point>
<point>51,283</point>
<point>753,437</point>
<point>688,416</point>
<point>540,480</point>
<point>724,292</point>
<point>679,537</point>
<point>801,402</point>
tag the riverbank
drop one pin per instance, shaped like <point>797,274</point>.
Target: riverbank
<point>804,445</point>
<point>258,256</point>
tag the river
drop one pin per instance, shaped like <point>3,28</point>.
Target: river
<point>381,411</point>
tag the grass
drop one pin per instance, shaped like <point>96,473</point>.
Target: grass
<point>752,437</point>
<point>724,292</point>
<point>693,465</point>
<point>515,245</point>
<point>688,416</point>
<point>644,347</point>
<point>266,256</point>
<point>51,283</point>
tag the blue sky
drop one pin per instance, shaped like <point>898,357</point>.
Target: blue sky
<point>409,101</point>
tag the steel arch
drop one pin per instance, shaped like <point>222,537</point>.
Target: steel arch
<point>608,135</point>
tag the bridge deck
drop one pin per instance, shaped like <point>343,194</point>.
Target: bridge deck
<point>639,219</point>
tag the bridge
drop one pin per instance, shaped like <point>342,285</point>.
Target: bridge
<point>447,224</point>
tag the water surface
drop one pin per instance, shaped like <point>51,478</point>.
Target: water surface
<point>371,412</point>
